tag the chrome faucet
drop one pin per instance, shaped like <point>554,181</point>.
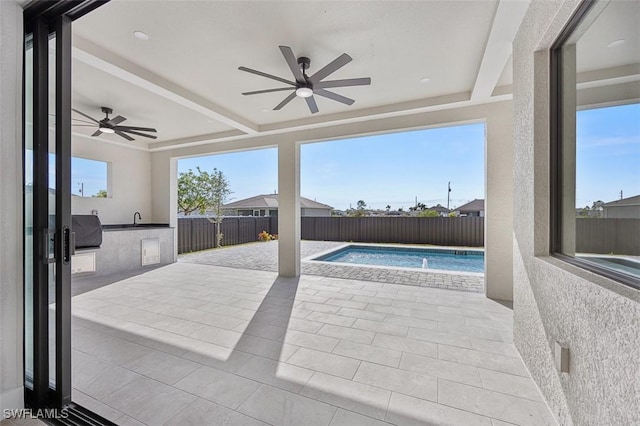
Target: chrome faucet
<point>134,217</point>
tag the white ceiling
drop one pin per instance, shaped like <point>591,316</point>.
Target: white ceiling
<point>185,80</point>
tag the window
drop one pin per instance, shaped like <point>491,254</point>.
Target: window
<point>595,153</point>
<point>89,178</point>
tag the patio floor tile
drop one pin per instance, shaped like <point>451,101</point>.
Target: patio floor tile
<point>353,396</point>
<point>440,368</point>
<point>218,386</point>
<point>199,344</point>
<point>418,385</point>
<point>203,412</point>
<point>346,333</point>
<point>279,407</point>
<point>370,353</point>
<point>163,367</point>
<point>497,405</point>
<point>327,363</point>
<point>410,411</point>
<point>406,344</point>
<point>149,401</point>
<point>349,418</point>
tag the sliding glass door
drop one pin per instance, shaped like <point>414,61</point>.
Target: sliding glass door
<point>48,237</point>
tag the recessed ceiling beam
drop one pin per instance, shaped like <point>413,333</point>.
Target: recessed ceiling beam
<point>99,58</point>
<point>509,16</point>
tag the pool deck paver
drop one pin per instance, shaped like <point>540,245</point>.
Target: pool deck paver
<point>264,257</point>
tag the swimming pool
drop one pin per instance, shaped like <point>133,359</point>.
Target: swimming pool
<point>403,257</point>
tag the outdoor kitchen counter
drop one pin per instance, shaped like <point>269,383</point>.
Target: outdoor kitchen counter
<point>127,248</point>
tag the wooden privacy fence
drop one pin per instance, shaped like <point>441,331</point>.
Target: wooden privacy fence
<point>453,231</point>
<point>617,236</point>
<point>196,234</point>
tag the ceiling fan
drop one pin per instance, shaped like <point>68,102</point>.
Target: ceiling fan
<point>305,86</point>
<point>111,125</point>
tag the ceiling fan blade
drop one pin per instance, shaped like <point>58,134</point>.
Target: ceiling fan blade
<point>343,83</point>
<point>257,92</point>
<point>127,137</point>
<point>85,115</point>
<point>331,67</point>
<point>144,129</point>
<point>264,74</point>
<point>136,133</point>
<point>116,120</point>
<point>285,101</point>
<point>82,121</point>
<point>83,125</point>
<point>311,102</point>
<point>334,96</point>
<point>293,63</point>
<point>97,133</point>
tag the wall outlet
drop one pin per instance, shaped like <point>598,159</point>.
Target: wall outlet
<point>562,358</point>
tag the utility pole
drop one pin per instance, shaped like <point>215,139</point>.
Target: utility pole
<point>448,195</point>
<point>621,194</point>
<point>81,185</point>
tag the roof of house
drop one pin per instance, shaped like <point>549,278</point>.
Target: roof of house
<point>472,206</point>
<point>439,209</point>
<point>270,201</point>
<point>629,201</point>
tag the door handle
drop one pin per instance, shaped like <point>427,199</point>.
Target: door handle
<point>66,245</point>
<point>48,237</point>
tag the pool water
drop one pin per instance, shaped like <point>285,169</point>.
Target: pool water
<point>445,259</point>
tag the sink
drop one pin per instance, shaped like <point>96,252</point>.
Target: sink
<point>137,225</point>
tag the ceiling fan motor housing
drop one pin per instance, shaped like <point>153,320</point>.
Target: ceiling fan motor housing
<point>304,63</point>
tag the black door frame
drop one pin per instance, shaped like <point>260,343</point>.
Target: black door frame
<point>42,19</point>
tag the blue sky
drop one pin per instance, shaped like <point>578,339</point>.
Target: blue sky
<point>395,168</point>
<point>607,154</point>
<point>385,169</point>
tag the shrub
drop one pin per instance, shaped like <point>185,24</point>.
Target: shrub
<point>265,236</point>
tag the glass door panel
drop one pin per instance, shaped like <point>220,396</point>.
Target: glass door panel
<point>28,211</point>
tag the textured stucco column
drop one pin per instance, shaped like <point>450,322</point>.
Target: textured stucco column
<point>164,190</point>
<point>499,204</point>
<point>289,209</point>
<point>11,264</point>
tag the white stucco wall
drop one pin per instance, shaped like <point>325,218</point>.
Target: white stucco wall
<point>130,176</point>
<point>596,318</point>
<point>498,171</point>
<point>11,368</point>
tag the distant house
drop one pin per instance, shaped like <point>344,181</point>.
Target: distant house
<point>267,205</point>
<point>472,208</point>
<point>442,211</point>
<point>627,208</point>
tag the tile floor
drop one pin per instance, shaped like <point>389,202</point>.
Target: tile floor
<point>191,344</point>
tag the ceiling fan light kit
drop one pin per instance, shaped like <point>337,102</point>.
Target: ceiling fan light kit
<point>112,126</point>
<point>305,86</point>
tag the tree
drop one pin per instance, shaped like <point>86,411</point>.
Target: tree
<point>190,194</point>
<point>360,211</point>
<point>218,193</point>
<point>428,213</point>
<point>101,194</point>
<point>388,208</point>
<point>203,191</point>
